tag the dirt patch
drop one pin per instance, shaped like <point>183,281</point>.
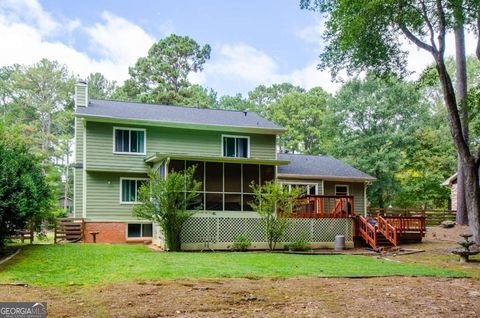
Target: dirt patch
<point>302,297</point>
<point>438,233</point>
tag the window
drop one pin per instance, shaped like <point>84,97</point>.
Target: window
<point>139,230</point>
<point>341,189</point>
<point>236,146</point>
<point>129,140</point>
<point>309,188</point>
<point>129,189</point>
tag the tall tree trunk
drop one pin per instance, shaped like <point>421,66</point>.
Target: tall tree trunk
<point>461,81</point>
<point>472,188</point>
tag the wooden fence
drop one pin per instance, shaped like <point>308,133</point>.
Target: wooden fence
<point>433,217</point>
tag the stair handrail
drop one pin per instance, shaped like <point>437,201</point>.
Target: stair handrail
<point>388,230</point>
<point>367,231</point>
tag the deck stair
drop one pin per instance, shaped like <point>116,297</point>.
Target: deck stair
<point>391,231</point>
<point>69,230</point>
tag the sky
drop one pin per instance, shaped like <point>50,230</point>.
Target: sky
<point>253,42</point>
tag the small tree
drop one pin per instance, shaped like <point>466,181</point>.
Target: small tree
<point>25,196</point>
<point>275,203</point>
<point>165,201</point>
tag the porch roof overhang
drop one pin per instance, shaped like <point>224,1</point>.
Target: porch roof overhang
<point>325,177</point>
<point>157,157</point>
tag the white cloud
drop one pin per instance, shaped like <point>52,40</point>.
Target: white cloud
<point>244,64</point>
<point>26,31</point>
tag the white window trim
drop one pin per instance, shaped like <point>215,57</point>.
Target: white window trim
<point>342,185</point>
<point>121,189</point>
<point>141,237</point>
<point>289,184</point>
<point>130,153</point>
<point>236,136</point>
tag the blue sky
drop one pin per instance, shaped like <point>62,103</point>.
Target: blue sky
<point>253,42</point>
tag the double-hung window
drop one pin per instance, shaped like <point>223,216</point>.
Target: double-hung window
<point>129,189</point>
<point>129,140</point>
<point>341,189</point>
<point>234,146</point>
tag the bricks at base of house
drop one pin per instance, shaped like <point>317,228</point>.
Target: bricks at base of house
<point>108,232</point>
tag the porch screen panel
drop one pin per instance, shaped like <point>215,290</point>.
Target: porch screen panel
<point>233,202</point>
<point>247,199</point>
<point>214,177</point>
<point>214,201</point>
<point>176,165</point>
<point>267,173</point>
<point>233,177</point>
<point>251,173</point>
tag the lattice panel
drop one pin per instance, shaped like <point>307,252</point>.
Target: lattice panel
<point>325,230</point>
<point>297,229</point>
<point>221,229</point>
<point>200,229</point>
<point>231,227</point>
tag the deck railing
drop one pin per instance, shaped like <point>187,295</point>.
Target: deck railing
<point>324,206</point>
<point>407,224</point>
<point>367,231</point>
<point>388,230</point>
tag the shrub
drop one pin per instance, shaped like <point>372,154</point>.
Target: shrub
<point>166,202</point>
<point>241,243</point>
<point>299,245</point>
<point>275,203</point>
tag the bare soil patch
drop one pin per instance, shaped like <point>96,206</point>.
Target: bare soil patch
<point>438,233</point>
<point>299,297</point>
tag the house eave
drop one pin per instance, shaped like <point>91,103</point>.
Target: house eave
<point>325,177</point>
<point>157,123</point>
<point>157,157</point>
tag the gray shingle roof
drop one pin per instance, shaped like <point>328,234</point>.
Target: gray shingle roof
<point>320,166</point>
<point>175,114</point>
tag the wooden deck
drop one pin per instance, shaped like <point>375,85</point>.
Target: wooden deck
<point>376,231</point>
<point>391,231</point>
<point>324,206</point>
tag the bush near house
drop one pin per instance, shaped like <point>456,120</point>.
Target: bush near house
<point>165,201</point>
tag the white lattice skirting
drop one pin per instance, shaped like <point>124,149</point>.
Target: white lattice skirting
<point>218,231</point>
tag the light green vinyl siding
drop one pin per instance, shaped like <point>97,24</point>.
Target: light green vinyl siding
<point>78,193</point>
<point>355,188</point>
<point>100,154</point>
<point>103,200</point>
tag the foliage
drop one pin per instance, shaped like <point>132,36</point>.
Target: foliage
<point>136,262</point>
<point>385,129</point>
<point>166,201</point>
<point>99,87</point>
<point>274,203</point>
<point>241,243</point>
<point>162,76</point>
<point>25,196</point>
<point>302,114</point>
<point>299,245</point>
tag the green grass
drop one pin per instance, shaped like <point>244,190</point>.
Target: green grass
<point>88,264</point>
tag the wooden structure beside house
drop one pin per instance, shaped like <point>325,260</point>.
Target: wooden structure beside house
<point>118,143</point>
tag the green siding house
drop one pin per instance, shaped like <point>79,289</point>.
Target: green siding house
<point>117,143</point>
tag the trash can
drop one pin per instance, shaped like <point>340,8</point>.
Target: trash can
<point>339,242</point>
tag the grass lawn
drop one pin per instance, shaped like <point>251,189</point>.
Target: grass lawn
<point>89,264</point>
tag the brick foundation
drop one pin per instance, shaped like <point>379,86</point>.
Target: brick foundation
<point>113,232</point>
<point>110,232</point>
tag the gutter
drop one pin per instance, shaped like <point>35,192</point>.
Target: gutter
<point>325,177</point>
<point>158,123</point>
